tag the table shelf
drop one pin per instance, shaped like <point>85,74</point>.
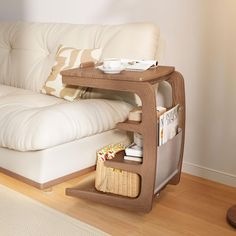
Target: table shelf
<point>88,191</point>
<point>119,163</point>
<point>132,126</point>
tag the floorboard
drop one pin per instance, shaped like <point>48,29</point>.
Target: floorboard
<point>194,207</point>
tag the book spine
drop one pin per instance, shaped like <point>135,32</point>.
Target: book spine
<point>132,152</point>
<point>132,158</point>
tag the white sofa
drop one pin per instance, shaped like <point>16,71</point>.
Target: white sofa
<point>43,139</point>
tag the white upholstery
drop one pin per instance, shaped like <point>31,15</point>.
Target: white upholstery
<point>42,137</point>
<point>52,163</point>
<point>31,121</point>
<point>27,50</point>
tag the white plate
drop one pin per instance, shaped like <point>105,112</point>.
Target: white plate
<point>110,71</point>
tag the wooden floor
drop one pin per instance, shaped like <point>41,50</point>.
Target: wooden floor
<point>194,207</point>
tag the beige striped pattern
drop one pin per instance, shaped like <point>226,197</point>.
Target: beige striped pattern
<point>68,58</point>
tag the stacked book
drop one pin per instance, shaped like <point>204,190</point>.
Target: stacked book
<point>134,153</point>
<point>136,113</point>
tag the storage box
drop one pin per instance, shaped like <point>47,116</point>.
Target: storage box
<point>113,180</point>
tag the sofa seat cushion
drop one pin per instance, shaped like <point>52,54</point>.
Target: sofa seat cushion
<point>32,121</point>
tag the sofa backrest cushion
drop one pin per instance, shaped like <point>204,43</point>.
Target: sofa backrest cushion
<point>27,50</point>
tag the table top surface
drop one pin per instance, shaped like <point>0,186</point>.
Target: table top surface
<point>149,75</point>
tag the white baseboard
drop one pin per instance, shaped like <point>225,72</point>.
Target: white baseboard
<point>208,173</point>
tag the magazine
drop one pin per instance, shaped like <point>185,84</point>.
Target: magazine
<point>141,65</point>
<point>168,125</point>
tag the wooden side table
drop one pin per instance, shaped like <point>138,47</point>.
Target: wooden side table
<point>143,84</point>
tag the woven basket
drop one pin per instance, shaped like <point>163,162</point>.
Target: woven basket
<point>113,180</point>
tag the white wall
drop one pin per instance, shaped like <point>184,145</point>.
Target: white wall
<point>200,41</point>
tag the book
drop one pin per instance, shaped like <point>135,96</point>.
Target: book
<point>134,150</point>
<point>168,125</point>
<point>133,158</point>
<point>136,113</point>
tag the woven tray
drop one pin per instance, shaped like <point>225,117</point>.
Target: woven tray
<point>113,180</point>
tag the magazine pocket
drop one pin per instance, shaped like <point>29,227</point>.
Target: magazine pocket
<point>168,156</point>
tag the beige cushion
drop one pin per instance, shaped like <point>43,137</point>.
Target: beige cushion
<point>33,121</point>
<point>67,58</point>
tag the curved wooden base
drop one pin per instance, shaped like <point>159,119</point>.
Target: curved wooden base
<point>231,216</point>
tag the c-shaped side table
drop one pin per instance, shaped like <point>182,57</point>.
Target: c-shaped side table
<point>142,84</point>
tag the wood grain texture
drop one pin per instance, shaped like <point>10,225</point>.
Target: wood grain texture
<point>155,74</point>
<point>195,207</point>
<point>176,82</point>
